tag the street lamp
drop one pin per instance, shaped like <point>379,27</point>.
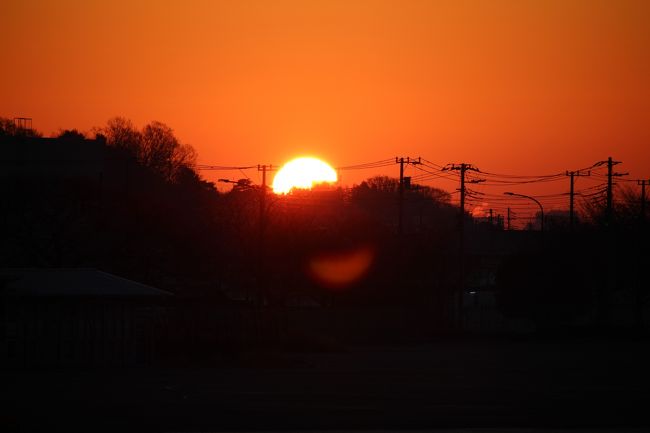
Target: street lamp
<point>245,184</point>
<point>533,199</point>
<point>241,183</point>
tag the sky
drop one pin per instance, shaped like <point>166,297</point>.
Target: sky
<point>519,87</point>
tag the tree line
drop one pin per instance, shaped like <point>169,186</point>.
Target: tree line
<point>164,225</point>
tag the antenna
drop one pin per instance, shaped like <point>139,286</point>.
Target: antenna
<point>23,122</point>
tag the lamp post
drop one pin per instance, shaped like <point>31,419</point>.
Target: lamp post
<point>245,184</point>
<point>242,183</point>
<point>533,199</point>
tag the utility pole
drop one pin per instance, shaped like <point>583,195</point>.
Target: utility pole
<point>462,168</point>
<point>572,175</point>
<point>608,281</point>
<point>541,208</point>
<point>610,193</point>
<point>610,165</point>
<point>643,183</point>
<point>508,218</point>
<point>401,161</point>
<point>263,169</point>
<point>639,291</point>
<point>491,220</point>
<point>262,228</point>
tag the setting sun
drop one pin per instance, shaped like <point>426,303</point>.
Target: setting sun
<point>303,173</point>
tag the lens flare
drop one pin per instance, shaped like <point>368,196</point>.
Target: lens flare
<point>302,173</point>
<point>338,270</point>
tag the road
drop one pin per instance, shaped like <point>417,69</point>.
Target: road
<point>470,384</point>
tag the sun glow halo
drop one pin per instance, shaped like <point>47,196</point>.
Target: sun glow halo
<point>302,173</point>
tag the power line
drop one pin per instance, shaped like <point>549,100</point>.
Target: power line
<point>206,167</point>
<point>368,165</point>
<point>430,171</point>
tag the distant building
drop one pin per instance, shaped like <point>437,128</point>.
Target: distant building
<point>76,317</point>
<point>65,161</point>
<point>37,157</point>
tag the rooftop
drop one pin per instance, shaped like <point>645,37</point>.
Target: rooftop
<point>71,282</point>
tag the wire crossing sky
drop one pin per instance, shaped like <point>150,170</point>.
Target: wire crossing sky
<point>516,86</point>
<point>486,189</point>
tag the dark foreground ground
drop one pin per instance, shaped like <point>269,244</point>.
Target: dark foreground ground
<point>497,384</point>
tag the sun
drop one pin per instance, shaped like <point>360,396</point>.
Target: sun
<point>302,173</point>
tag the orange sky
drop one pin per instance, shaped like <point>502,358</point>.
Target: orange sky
<point>511,86</point>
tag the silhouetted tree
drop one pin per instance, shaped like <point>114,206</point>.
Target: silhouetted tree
<point>70,135</point>
<point>122,134</point>
<point>155,147</point>
<point>425,208</point>
<point>162,152</point>
<point>626,208</point>
<point>133,220</point>
<point>379,184</point>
